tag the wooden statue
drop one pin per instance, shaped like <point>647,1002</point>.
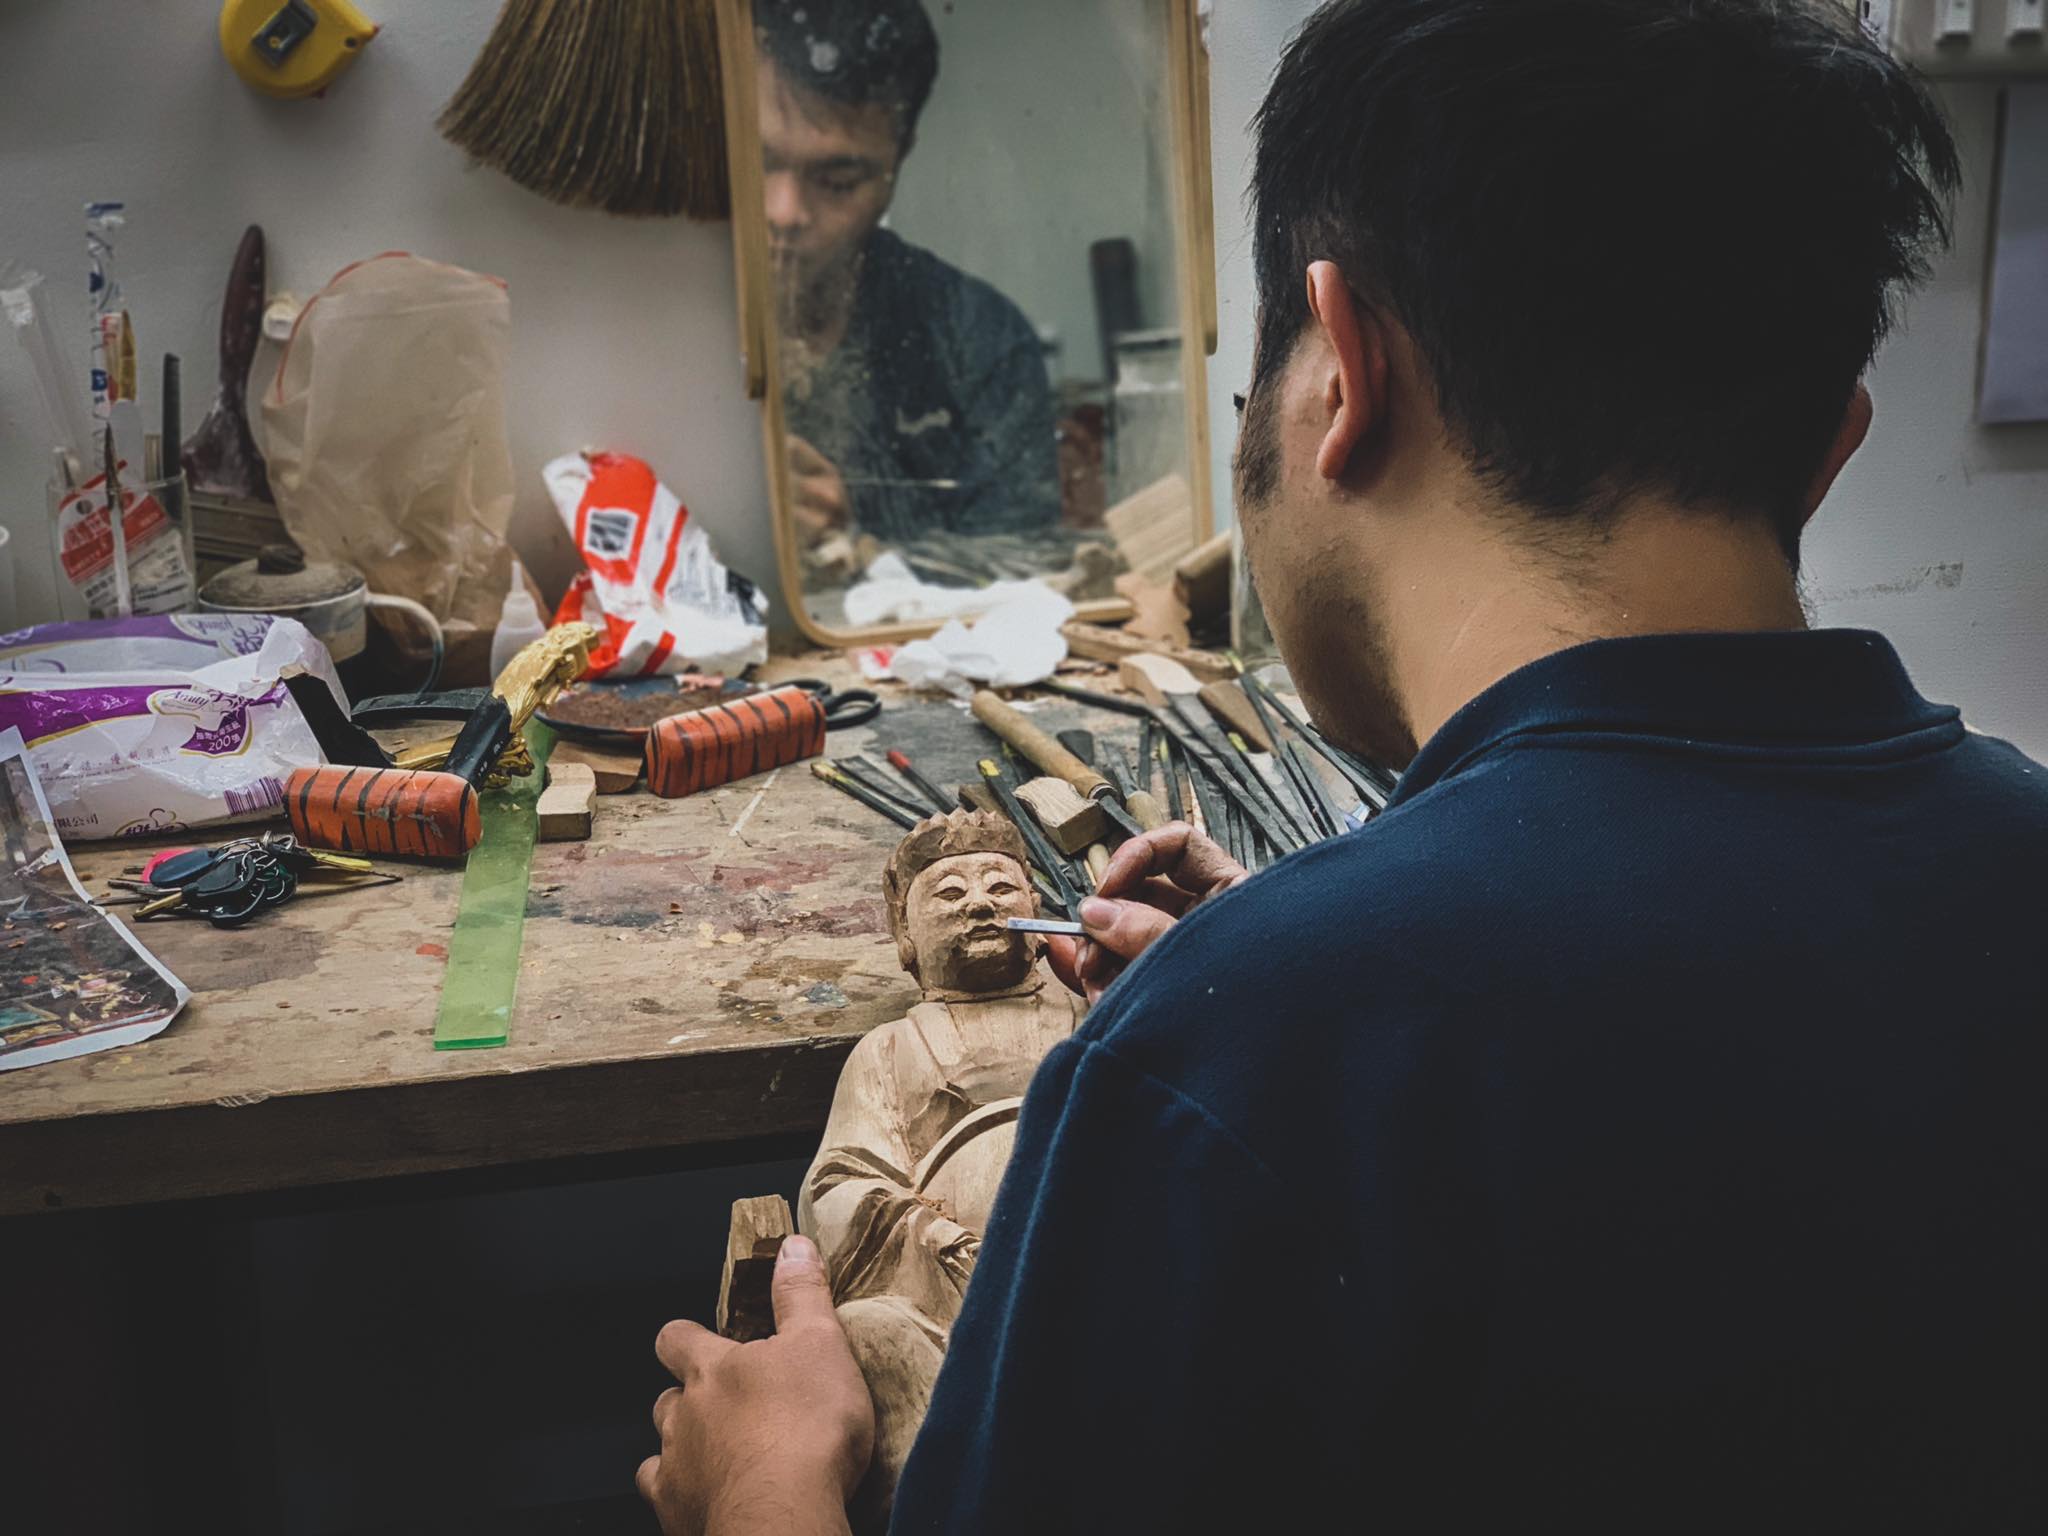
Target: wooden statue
<point>921,1126</point>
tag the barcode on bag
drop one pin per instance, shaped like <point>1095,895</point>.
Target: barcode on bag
<point>260,796</point>
<point>609,532</point>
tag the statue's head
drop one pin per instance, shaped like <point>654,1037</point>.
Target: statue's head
<point>952,885</point>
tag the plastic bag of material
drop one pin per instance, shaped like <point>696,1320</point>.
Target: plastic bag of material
<point>384,430</point>
<point>141,747</point>
<point>176,642</point>
<point>651,582</point>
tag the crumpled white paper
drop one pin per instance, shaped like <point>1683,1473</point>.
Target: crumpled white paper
<point>890,594</point>
<point>1016,643</point>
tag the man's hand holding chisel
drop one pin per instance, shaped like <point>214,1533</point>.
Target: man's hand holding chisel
<point>1151,882</point>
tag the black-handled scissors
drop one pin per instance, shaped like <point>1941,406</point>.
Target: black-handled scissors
<point>856,706</point>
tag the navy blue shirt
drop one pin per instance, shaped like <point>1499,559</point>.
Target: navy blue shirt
<point>1638,1127</point>
<point>936,406</point>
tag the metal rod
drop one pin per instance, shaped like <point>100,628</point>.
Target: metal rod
<point>860,769</point>
<point>1349,769</point>
<point>1176,807</point>
<point>1204,764</point>
<point>1372,773</point>
<point>1215,821</point>
<point>1289,762</point>
<point>1099,700</point>
<point>900,761</point>
<point>867,797</point>
<point>1034,839</point>
<point>1299,825</point>
<point>1332,814</point>
<point>1228,774</point>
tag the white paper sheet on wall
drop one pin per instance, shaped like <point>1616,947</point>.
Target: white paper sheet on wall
<point>2014,383</point>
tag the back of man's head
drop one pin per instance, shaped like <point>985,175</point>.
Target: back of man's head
<point>854,52</point>
<point>1640,244</point>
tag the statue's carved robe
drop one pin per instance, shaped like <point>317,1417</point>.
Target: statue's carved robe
<point>920,1131</point>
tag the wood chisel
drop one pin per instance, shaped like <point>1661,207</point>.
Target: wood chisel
<point>1232,778</point>
<point>1373,783</point>
<point>1144,809</point>
<point>1290,764</point>
<point>1082,745</point>
<point>1202,756</point>
<point>931,791</point>
<point>1034,839</point>
<point>1046,925</point>
<point>1332,814</point>
<point>1162,747</point>
<point>830,773</point>
<point>859,768</point>
<point>1046,752</point>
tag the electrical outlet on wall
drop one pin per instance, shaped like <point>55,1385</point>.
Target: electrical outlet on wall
<point>1956,20</point>
<point>2023,19</point>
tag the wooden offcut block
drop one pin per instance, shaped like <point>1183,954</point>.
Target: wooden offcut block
<point>1201,579</point>
<point>1156,678</point>
<point>617,771</point>
<point>1071,821</point>
<point>1098,642</point>
<point>746,1300</point>
<point>566,806</point>
<point>1154,527</point>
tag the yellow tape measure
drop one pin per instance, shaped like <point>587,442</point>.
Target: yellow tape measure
<point>292,47</point>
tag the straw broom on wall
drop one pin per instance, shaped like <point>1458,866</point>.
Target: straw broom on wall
<point>611,104</point>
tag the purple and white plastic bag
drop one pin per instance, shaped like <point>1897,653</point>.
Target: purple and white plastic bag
<point>139,727</point>
<point>177,642</point>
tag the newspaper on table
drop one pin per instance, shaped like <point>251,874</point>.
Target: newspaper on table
<point>73,979</point>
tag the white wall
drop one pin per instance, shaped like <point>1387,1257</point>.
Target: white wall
<point>1245,39</point>
<point>623,331</point>
<point>1937,533</point>
<point>624,334</point>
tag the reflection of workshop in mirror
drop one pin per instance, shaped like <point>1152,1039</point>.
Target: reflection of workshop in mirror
<point>964,383</point>
<point>740,792</point>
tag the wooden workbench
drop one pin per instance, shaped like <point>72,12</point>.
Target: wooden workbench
<point>692,975</point>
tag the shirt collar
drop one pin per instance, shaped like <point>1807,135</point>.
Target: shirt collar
<point>1782,689</point>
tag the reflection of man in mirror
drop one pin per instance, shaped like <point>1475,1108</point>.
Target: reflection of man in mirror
<point>917,396</point>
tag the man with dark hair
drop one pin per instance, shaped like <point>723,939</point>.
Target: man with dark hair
<point>1634,1128</point>
<point>916,396</point>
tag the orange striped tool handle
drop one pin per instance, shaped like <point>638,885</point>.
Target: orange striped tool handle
<point>417,814</point>
<point>722,742</point>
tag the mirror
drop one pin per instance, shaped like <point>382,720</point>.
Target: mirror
<point>976,295</point>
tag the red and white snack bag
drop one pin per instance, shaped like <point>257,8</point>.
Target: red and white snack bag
<point>650,580</point>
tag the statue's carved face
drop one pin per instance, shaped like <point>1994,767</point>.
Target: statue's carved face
<point>955,919</point>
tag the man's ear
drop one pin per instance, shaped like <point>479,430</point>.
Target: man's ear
<point>1353,382</point>
<point>1848,438</point>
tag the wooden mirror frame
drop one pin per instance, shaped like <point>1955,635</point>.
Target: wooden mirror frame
<point>1194,229</point>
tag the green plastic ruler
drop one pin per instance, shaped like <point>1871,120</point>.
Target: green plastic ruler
<point>490,919</point>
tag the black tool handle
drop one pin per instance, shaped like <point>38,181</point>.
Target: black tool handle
<point>482,740</point>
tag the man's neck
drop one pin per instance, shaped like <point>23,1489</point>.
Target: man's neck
<point>1498,602</point>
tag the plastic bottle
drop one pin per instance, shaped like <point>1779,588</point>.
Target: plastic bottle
<point>519,623</point>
